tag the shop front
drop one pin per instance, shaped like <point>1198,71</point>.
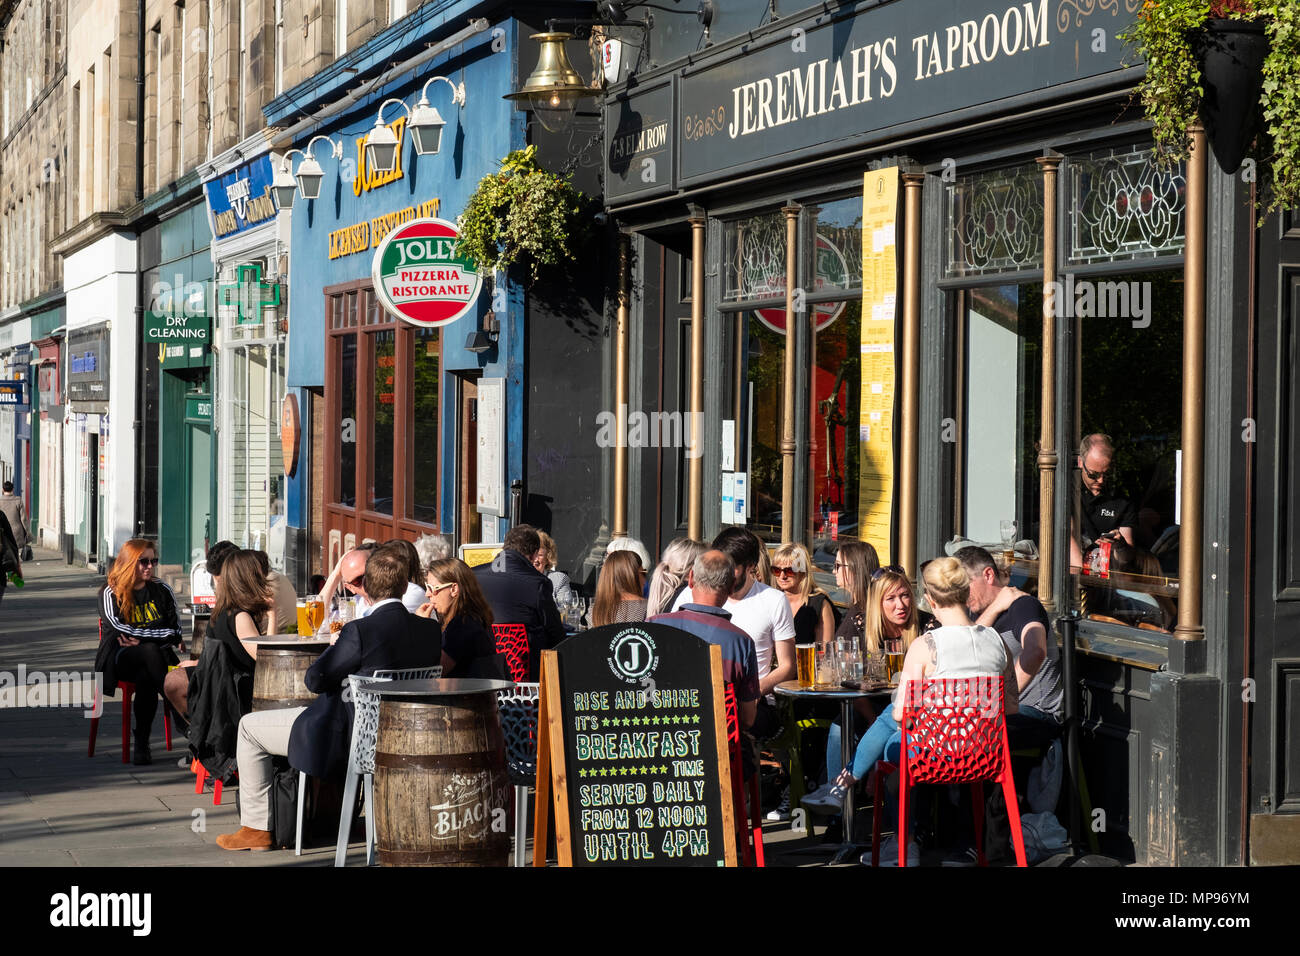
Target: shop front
<point>389,411</point>
<point>85,477</point>
<point>46,504</point>
<point>899,273</point>
<point>176,476</point>
<point>249,240</point>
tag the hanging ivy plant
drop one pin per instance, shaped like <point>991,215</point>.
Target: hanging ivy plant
<point>524,215</point>
<point>1165,35</point>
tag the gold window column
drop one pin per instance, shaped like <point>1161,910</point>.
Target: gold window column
<point>788,463</point>
<point>695,498</point>
<point>1190,627</point>
<point>619,524</point>
<point>1047,457</point>
<point>911,390</point>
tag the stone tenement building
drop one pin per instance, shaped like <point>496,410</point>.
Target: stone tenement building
<point>33,154</point>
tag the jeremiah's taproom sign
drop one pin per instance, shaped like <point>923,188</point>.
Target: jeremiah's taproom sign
<point>821,82</point>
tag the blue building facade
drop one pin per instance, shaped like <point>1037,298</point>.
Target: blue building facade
<point>383,404</point>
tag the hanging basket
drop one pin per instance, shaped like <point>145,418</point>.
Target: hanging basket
<point>1231,55</point>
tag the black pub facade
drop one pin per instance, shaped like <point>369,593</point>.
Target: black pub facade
<point>889,264</point>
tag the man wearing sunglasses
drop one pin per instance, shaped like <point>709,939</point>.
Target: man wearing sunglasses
<point>1102,513</point>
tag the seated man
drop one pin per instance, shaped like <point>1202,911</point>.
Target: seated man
<point>316,738</point>
<point>711,579</point>
<point>1024,627</point>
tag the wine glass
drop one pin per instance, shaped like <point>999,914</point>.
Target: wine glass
<point>1008,531</point>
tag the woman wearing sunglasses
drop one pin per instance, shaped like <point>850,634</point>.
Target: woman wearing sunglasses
<point>468,647</point>
<point>814,620</point>
<point>138,626</point>
<point>890,614</point>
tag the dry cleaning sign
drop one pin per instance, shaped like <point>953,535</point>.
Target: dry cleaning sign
<point>419,276</point>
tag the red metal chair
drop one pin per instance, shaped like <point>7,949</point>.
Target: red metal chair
<point>128,691</point>
<point>512,641</point>
<point>954,731</point>
<point>755,834</point>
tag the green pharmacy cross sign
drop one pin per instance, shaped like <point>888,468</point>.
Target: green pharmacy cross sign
<point>248,294</point>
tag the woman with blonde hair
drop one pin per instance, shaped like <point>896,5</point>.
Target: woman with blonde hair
<point>138,625</point>
<point>544,561</point>
<point>855,563</point>
<point>669,578</point>
<point>618,591</point>
<point>956,648</point>
<point>814,620</point>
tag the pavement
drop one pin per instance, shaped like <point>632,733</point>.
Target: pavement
<point>59,807</point>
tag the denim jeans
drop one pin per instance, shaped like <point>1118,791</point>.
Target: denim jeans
<point>882,739</point>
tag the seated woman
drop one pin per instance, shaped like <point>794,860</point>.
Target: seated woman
<point>544,562</point>
<point>814,620</point>
<point>619,590</point>
<point>890,615</point>
<point>138,627</point>
<point>956,648</point>
<point>244,601</point>
<point>669,577</point>
<point>468,647</point>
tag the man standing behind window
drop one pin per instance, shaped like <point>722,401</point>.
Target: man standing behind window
<point>1102,514</point>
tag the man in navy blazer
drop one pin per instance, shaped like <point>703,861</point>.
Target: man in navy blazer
<point>316,738</point>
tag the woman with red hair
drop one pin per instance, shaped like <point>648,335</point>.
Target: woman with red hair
<point>138,626</point>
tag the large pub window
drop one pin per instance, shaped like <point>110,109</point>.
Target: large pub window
<point>383,381</point>
<point>830,244</point>
<point>1118,298</point>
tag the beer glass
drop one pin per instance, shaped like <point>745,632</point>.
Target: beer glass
<point>806,660</point>
<point>305,628</point>
<point>894,657</point>
<point>827,672</point>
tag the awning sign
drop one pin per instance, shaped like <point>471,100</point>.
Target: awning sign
<point>419,277</point>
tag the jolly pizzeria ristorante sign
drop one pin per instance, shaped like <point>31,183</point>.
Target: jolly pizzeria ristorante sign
<point>420,277</point>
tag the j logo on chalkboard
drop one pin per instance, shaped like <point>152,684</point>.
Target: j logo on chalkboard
<point>632,655</point>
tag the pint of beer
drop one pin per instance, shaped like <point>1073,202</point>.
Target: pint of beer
<point>806,660</point>
<point>304,620</point>
<point>894,657</point>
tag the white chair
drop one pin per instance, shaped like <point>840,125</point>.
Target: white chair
<point>518,709</point>
<point>361,758</point>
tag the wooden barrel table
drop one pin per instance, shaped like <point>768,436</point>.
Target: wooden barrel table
<point>282,663</point>
<point>441,786</point>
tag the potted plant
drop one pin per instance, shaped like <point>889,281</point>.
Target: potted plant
<point>526,215</point>
<point>1236,65</point>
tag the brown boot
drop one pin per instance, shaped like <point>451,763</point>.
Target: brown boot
<point>246,839</point>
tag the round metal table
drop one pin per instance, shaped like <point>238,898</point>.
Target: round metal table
<point>846,696</point>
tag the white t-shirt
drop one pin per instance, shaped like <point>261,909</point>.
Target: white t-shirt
<point>763,613</point>
<point>411,600</point>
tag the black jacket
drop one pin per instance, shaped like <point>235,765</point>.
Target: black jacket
<point>155,621</point>
<point>391,637</point>
<point>220,694</point>
<point>519,594</point>
<point>8,551</point>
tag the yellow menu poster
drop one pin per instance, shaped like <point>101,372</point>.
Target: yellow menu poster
<point>876,421</point>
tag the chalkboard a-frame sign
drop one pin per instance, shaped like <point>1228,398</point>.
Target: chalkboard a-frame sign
<point>632,751</point>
